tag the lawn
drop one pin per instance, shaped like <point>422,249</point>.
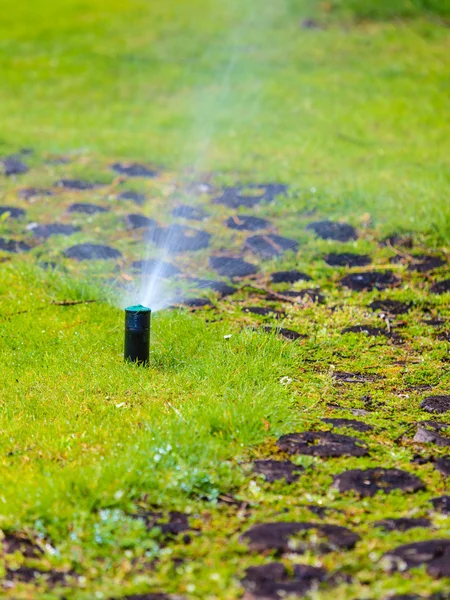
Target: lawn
<point>121,481</point>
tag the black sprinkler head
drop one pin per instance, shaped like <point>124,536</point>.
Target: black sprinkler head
<point>137,334</point>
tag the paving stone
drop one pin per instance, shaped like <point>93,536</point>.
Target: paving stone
<point>330,230</point>
<point>32,192</point>
<point>136,197</point>
<point>368,330</point>
<point>435,425</point>
<point>235,196</point>
<point>25,574</point>
<point>274,470</point>
<point>399,239</point>
<point>391,307</point>
<point>270,246</point>
<point>58,160</point>
<point>322,443</point>
<point>286,537</point>
<point>435,554</point>
<point>273,190</point>
<point>133,170</point>
<point>152,596</point>
<point>21,574</point>
<point>287,334</point>
<point>77,184</point>
<point>298,295</point>
<point>196,302</point>
<point>370,481</point>
<point>171,526</point>
<point>228,266</point>
<point>17,542</point>
<point>425,436</point>
<point>443,336</point>
<point>11,165</point>
<point>369,280</point>
<point>403,597</point>
<point>155,268</point>
<point>262,311</point>
<point>321,511</point>
<point>289,276</point>
<point>345,377</point>
<point>49,229</point>
<point>13,246</point>
<point>13,212</point>
<point>347,259</point>
<point>441,504</point>
<point>437,596</point>
<point>371,404</point>
<point>421,387</point>
<point>440,287</point>
<point>273,581</point>
<point>233,199</point>
<point>402,524</point>
<point>138,221</point>
<point>436,404</point>
<point>443,465</point>
<point>87,209</point>
<point>359,412</point>
<point>398,259</point>
<point>434,322</point>
<point>351,423</point>
<point>426,264</point>
<point>192,213</point>
<point>418,459</point>
<point>220,287</point>
<point>92,252</point>
<point>310,24</point>
<point>247,223</point>
<point>179,238</point>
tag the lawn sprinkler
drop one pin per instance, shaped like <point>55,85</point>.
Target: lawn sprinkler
<point>137,334</point>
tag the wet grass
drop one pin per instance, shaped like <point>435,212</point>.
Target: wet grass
<point>352,116</point>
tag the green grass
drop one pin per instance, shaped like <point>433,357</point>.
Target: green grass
<point>354,117</point>
<point>388,9</point>
<point>88,439</point>
<point>360,115</point>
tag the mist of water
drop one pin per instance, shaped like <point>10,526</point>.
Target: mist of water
<point>231,88</point>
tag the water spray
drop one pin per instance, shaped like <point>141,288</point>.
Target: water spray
<point>160,284</point>
<point>137,334</point>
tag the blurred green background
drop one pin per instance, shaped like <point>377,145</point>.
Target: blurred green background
<point>350,98</point>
